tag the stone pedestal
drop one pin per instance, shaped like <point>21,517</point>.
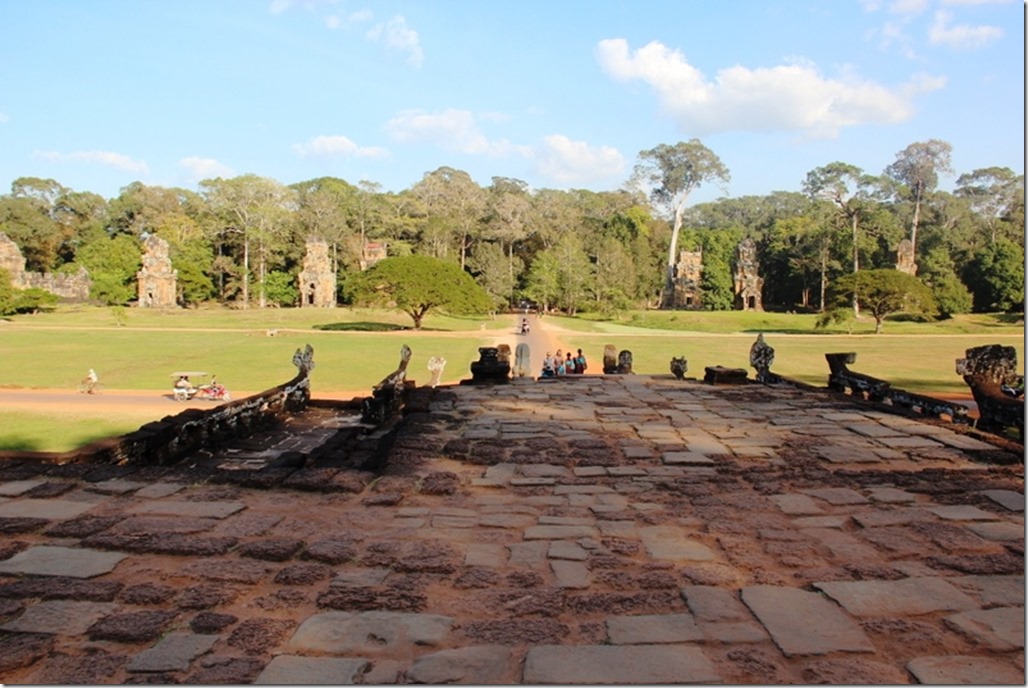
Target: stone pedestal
<point>490,367</point>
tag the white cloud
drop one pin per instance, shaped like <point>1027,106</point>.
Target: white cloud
<point>396,35</point>
<point>108,158</point>
<point>961,36</point>
<point>576,162</point>
<point>791,97</point>
<point>205,168</point>
<point>333,146</point>
<point>452,129</point>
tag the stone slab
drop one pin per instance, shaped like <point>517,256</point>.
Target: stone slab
<point>15,488</point>
<point>796,504</point>
<point>479,665</point>
<point>653,629</point>
<point>1000,629</point>
<point>787,614</point>
<point>998,531</point>
<point>891,495</point>
<point>994,591</point>
<point>294,670</point>
<point>486,554</point>
<point>174,652</point>
<point>52,509</point>
<point>670,543</point>
<point>49,560</point>
<point>962,512</point>
<point>838,496</point>
<point>570,574</point>
<point>361,577</point>
<point>560,532</point>
<point>686,458</point>
<point>343,633</point>
<point>710,603</point>
<point>182,508</point>
<point>908,596</point>
<point>60,617</point>
<point>965,670</point>
<point>618,664</point>
<point>1008,499</point>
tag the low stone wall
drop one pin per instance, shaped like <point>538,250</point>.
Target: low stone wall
<point>168,440</point>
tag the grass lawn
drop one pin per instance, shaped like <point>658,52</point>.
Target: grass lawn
<point>136,349</point>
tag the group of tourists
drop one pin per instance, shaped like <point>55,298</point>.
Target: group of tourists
<point>558,365</point>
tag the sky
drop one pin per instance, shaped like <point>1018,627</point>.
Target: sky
<point>561,94</point>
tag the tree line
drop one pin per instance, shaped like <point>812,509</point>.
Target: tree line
<point>241,241</point>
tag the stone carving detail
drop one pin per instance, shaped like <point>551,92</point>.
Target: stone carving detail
<point>625,362</point>
<point>610,359</point>
<point>435,367</point>
<point>317,280</point>
<point>679,367</point>
<point>490,367</point>
<point>74,287</point>
<point>387,396</point>
<point>991,373</point>
<point>687,276</point>
<point>761,358</point>
<point>304,360</point>
<point>905,257</point>
<point>156,280</point>
<point>748,283</point>
<point>522,360</point>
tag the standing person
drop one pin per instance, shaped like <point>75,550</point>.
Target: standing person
<point>569,365</point>
<point>558,363</point>
<point>580,364</point>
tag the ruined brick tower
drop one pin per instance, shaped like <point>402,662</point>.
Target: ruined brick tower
<point>317,280</point>
<point>905,257</point>
<point>688,272</point>
<point>157,281</point>
<point>748,283</point>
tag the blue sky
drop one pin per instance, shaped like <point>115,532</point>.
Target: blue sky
<point>562,94</point>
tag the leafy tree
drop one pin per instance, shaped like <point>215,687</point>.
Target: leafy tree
<point>883,291</point>
<point>542,283</point>
<point>939,273</point>
<point>492,270</point>
<point>455,202</point>
<point>281,288</point>
<point>417,285</point>
<point>917,168</point>
<point>996,194</point>
<point>8,293</point>
<point>673,173</point>
<point>996,277</point>
<point>716,282</point>
<point>34,300</point>
<point>112,263</point>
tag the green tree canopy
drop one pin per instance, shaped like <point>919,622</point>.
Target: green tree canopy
<point>884,291</point>
<point>417,285</point>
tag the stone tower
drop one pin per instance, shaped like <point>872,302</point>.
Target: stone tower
<point>157,281</point>
<point>748,283</point>
<point>688,272</point>
<point>905,257</point>
<point>317,280</point>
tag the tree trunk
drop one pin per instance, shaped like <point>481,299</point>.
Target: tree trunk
<point>667,298</point>
<point>246,273</point>
<point>824,274</point>
<point>856,263</point>
<point>914,224</point>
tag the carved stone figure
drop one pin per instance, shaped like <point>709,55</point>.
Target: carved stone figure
<point>522,360</point>
<point>304,360</point>
<point>489,367</point>
<point>435,367</point>
<point>761,358</point>
<point>387,396</point>
<point>317,280</point>
<point>748,283</point>
<point>156,281</point>
<point>991,373</point>
<point>625,362</point>
<point>610,359</point>
<point>679,366</point>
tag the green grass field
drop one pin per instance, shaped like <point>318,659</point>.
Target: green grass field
<point>135,349</point>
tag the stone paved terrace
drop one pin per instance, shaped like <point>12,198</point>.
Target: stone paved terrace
<point>602,529</point>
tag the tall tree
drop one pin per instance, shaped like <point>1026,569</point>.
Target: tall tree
<point>917,168</point>
<point>885,291</point>
<point>672,173</point>
<point>995,194</point>
<point>257,209</point>
<point>846,186</point>
<point>456,203</point>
